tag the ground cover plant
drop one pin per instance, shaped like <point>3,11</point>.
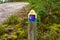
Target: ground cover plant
<point>12,29</point>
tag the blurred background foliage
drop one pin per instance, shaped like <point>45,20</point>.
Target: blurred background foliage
<point>46,7</point>
<point>48,18</point>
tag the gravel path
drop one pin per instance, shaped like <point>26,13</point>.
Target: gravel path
<point>7,9</point>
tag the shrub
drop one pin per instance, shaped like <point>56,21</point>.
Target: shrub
<point>13,19</point>
<point>2,29</point>
<point>46,7</point>
<point>55,27</point>
<point>21,33</point>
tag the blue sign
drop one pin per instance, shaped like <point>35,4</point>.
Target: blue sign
<point>31,18</point>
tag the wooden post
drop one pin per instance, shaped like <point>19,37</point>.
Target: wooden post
<point>32,25</point>
<point>32,31</point>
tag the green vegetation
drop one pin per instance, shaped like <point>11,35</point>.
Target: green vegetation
<point>46,7</point>
<point>55,27</point>
<point>13,19</point>
<point>13,29</point>
<point>48,11</point>
<point>48,18</point>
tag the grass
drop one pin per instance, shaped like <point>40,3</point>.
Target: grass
<point>13,19</point>
<point>14,27</point>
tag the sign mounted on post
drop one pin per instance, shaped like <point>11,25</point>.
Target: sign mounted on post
<point>32,25</point>
<point>32,16</point>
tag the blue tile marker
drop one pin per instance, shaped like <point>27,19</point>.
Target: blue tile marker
<point>32,25</point>
<point>32,16</point>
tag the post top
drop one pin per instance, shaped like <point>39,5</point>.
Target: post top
<point>32,12</point>
<point>32,16</point>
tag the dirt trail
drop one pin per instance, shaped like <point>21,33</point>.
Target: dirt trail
<point>7,9</point>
